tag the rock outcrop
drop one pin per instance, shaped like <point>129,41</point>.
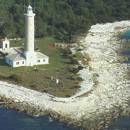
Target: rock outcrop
<point>108,98</point>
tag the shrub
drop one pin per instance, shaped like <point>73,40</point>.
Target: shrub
<point>15,78</point>
<point>66,52</point>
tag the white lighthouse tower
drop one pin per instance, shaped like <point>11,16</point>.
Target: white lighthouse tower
<point>29,53</point>
<point>28,57</point>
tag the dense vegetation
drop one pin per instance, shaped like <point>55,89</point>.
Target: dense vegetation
<point>62,19</point>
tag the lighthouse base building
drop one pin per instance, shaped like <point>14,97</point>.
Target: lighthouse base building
<point>28,56</point>
<point>17,59</point>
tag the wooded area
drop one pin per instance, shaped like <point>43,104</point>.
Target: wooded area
<point>61,19</point>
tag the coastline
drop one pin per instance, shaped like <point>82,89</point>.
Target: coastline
<point>107,100</point>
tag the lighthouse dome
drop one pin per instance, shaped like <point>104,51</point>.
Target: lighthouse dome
<point>29,10</point>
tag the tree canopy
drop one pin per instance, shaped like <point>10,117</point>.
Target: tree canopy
<point>61,19</point>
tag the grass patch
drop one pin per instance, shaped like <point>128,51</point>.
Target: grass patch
<point>79,56</point>
<point>44,77</point>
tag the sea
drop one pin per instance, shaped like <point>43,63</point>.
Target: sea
<point>11,119</point>
<point>126,35</point>
<point>120,124</point>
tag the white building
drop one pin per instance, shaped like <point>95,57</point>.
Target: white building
<point>28,56</point>
<point>4,43</point>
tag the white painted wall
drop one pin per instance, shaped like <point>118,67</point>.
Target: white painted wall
<point>29,30</point>
<point>29,45</point>
<point>30,58</point>
<point>5,44</point>
<point>19,63</point>
<point>42,61</point>
<point>15,63</point>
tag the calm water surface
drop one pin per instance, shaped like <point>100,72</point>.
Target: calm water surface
<point>126,35</point>
<point>121,124</point>
<point>13,120</point>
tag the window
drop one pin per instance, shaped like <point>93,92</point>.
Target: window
<point>38,61</point>
<point>6,45</point>
<point>44,60</point>
<point>17,63</point>
<point>22,62</point>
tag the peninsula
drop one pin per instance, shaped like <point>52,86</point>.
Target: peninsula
<point>104,93</point>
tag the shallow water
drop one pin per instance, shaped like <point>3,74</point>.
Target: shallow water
<point>13,120</point>
<point>126,35</point>
<point>121,124</point>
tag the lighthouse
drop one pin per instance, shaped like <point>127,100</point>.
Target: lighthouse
<point>29,57</point>
<point>29,52</point>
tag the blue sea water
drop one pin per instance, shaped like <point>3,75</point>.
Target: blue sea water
<point>126,35</point>
<point>121,124</point>
<point>13,120</point>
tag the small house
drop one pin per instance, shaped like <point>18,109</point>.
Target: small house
<point>4,43</point>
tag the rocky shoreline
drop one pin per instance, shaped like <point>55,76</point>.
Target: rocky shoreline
<point>109,97</point>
